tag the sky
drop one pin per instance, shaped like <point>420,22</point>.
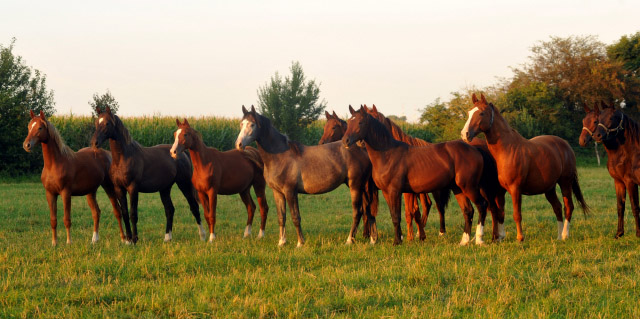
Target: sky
<point>203,58</point>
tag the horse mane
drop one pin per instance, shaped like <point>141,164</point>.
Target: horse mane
<point>379,132</point>
<point>125,133</point>
<point>55,136</point>
<point>198,137</point>
<point>633,128</point>
<point>398,133</point>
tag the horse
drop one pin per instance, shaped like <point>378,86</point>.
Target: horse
<point>527,167</point>
<point>291,168</point>
<point>620,136</point>
<point>402,168</point>
<point>144,169</point>
<point>224,173</point>
<point>334,130</point>
<point>67,173</point>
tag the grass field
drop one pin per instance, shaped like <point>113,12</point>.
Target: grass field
<point>588,275</point>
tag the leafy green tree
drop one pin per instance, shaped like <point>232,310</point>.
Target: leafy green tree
<point>627,52</point>
<point>102,101</point>
<point>21,89</point>
<point>291,103</point>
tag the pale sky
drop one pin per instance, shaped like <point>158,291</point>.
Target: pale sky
<point>193,58</point>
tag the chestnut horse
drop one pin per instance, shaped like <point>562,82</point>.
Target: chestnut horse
<point>68,173</point>
<point>489,185</point>
<point>291,168</point>
<point>402,168</point>
<point>222,173</point>
<point>620,136</point>
<point>527,167</point>
<point>144,169</point>
<point>334,130</point>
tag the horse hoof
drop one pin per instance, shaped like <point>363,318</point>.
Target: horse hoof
<point>94,239</point>
<point>441,234</point>
<point>350,241</point>
<point>54,243</point>
<point>465,239</point>
<point>247,231</point>
<point>167,237</point>
<point>261,234</point>
<point>203,235</point>
<point>212,236</point>
<point>300,244</point>
<point>68,241</point>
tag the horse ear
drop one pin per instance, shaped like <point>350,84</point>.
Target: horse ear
<point>178,122</point>
<point>374,109</point>
<point>483,99</point>
<point>33,116</point>
<point>327,115</point>
<point>474,98</point>
<point>334,114</point>
<point>98,110</point>
<point>586,108</point>
<point>596,109</point>
<point>253,109</point>
<point>108,109</point>
<point>42,116</point>
<point>351,110</point>
<point>186,122</point>
<point>244,110</point>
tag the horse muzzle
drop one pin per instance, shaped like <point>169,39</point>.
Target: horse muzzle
<point>28,145</point>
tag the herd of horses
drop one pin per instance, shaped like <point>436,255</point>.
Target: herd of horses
<point>368,153</point>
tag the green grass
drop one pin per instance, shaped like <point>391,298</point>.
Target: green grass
<point>588,275</point>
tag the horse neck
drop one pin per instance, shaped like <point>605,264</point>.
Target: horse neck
<point>119,146</point>
<point>624,142</point>
<point>500,134</point>
<point>272,142</point>
<point>200,153</point>
<point>379,141</point>
<point>51,154</point>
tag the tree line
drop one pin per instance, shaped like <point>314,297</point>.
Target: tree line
<point>544,95</point>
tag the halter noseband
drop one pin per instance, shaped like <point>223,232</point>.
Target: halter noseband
<point>617,129</point>
<point>584,128</point>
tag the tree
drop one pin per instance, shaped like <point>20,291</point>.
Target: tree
<point>577,68</point>
<point>292,103</point>
<point>102,101</point>
<point>627,52</point>
<point>21,89</point>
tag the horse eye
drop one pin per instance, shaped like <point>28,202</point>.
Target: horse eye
<point>481,113</point>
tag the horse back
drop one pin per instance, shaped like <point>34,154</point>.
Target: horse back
<point>156,169</point>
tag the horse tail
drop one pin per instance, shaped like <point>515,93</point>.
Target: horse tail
<point>577,192</point>
<point>252,154</point>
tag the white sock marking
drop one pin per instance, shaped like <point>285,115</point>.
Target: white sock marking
<point>465,239</point>
<point>441,234</point>
<point>247,231</point>
<point>479,233</point>
<point>212,236</point>
<point>299,245</point>
<point>203,235</point>
<point>501,232</point>
<point>465,130</point>
<point>560,225</point>
<point>565,231</point>
<point>167,237</point>
<point>94,239</point>
<point>260,234</point>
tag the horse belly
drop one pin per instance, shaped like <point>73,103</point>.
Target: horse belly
<point>320,181</point>
<point>426,183</point>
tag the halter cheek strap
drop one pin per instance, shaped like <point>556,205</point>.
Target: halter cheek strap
<point>617,129</point>
<point>584,128</point>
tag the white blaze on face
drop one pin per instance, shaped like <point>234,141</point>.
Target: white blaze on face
<point>175,143</point>
<point>32,125</point>
<point>465,130</point>
<point>100,121</point>
<point>245,130</point>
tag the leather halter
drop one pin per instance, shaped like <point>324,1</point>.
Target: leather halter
<point>584,128</point>
<point>617,129</point>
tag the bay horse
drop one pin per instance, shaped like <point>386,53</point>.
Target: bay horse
<point>620,136</point>
<point>136,168</point>
<point>222,173</point>
<point>489,185</point>
<point>402,168</point>
<point>527,167</point>
<point>334,130</point>
<point>67,173</point>
<point>291,168</point>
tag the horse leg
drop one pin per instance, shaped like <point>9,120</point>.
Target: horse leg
<point>262,203</point>
<point>568,206</point>
<point>552,198</point>
<point>632,188</point>
<point>251,208</point>
<point>121,194</point>
<point>372,213</point>
<point>410,207</point>
<point>169,210</point>
<point>292,199</point>
<point>621,197</point>
<point>66,202</point>
<point>498,216</point>
<point>213,202</point>
<point>441,202</point>
<point>516,197</point>
<point>52,200</point>
<point>95,213</point>
<point>281,206</point>
<point>356,205</point>
<point>189,192</point>
<point>393,200</point>
<point>113,198</point>
<point>467,213</point>
<point>422,221</point>
<point>204,200</point>
<point>133,198</point>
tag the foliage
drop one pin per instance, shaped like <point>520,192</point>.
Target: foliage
<point>250,278</point>
<point>627,52</point>
<point>102,101</point>
<point>291,103</point>
<point>21,89</point>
